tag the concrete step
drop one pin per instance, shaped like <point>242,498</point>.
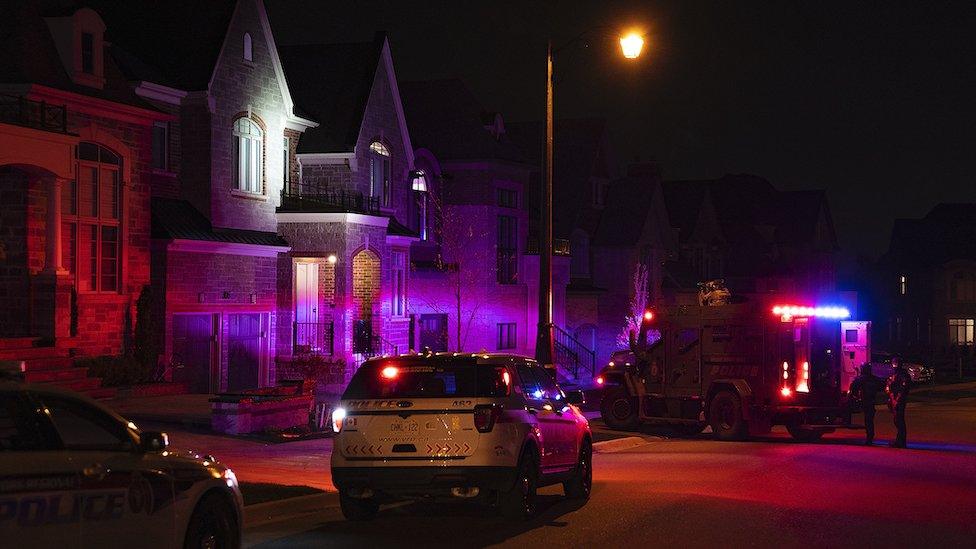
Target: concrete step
<point>101,393</point>
<point>28,353</point>
<point>49,363</point>
<point>55,375</point>
<point>18,342</point>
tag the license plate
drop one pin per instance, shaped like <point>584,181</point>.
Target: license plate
<point>403,427</point>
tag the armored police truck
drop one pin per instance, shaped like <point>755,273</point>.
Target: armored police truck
<point>739,367</point>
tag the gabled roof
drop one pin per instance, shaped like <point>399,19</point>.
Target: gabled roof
<point>946,233</point>
<point>31,56</point>
<point>446,118</point>
<point>178,220</point>
<point>331,84</point>
<point>175,43</point>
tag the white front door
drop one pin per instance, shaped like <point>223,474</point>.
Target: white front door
<point>306,304</point>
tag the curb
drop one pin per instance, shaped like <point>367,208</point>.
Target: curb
<point>260,514</point>
<point>618,444</point>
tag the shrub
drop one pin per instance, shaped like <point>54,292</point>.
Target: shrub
<point>116,371</point>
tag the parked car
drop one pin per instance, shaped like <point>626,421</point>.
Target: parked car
<point>881,367</point>
<point>75,474</point>
<point>458,426</point>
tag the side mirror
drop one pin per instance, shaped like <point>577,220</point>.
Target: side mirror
<point>575,397</point>
<point>153,441</point>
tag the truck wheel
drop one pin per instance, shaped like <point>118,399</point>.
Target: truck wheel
<point>579,486</point>
<point>518,503</point>
<point>619,410</point>
<point>357,508</point>
<point>725,416</point>
<point>804,435</point>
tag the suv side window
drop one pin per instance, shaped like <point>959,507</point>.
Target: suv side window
<point>21,429</point>
<point>84,427</point>
<point>548,384</point>
<point>530,385</point>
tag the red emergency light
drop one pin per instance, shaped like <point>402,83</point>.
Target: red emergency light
<point>802,311</point>
<point>390,372</point>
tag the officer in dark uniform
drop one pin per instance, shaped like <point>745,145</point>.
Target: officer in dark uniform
<point>864,390</point>
<point>898,385</point>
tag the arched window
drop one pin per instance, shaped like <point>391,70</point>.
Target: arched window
<point>248,48</point>
<point>91,208</point>
<point>420,186</point>
<point>248,140</point>
<point>379,173</point>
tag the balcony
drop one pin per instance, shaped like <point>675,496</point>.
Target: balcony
<point>314,337</point>
<point>28,113</point>
<point>560,246</point>
<point>317,199</point>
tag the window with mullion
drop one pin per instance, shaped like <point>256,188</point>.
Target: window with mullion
<point>507,248</point>
<point>91,213</point>
<point>248,151</point>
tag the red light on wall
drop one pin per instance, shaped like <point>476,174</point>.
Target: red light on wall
<point>390,372</point>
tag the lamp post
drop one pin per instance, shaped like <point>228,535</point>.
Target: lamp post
<point>631,46</point>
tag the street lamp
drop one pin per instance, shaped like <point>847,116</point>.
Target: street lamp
<point>631,46</point>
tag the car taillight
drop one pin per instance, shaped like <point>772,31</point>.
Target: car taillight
<point>485,416</point>
<point>338,416</point>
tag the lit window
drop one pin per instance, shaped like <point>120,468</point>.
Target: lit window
<point>507,336</point>
<point>160,145</point>
<point>379,172</point>
<point>398,266</point>
<point>248,48</point>
<point>248,142</point>
<point>420,187</point>
<point>903,284</point>
<point>90,220</point>
<point>507,248</point>
<point>87,53</point>
<point>286,161</point>
<point>961,331</point>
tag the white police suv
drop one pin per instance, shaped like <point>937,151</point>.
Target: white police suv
<point>488,426</point>
<point>75,474</point>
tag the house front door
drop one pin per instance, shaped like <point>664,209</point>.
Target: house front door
<point>306,305</point>
<point>193,352</point>
<point>244,351</point>
<point>433,332</point>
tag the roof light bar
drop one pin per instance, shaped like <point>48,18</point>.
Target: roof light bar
<point>821,312</point>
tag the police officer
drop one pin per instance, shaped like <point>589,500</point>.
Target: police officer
<point>897,388</point>
<point>865,389</point>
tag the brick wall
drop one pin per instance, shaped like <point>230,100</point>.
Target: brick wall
<point>14,279</point>
<point>365,283</point>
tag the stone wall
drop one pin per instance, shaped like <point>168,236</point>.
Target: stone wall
<point>15,292</point>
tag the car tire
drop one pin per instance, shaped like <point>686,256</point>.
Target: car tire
<point>357,508</point>
<point>619,410</point>
<point>518,503</point>
<point>213,524</point>
<point>725,417</point>
<point>579,486</point>
<point>804,435</point>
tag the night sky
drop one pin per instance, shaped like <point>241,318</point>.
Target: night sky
<point>873,101</point>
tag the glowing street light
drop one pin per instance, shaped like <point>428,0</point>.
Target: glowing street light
<point>631,45</point>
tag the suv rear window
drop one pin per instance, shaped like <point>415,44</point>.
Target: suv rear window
<point>428,378</point>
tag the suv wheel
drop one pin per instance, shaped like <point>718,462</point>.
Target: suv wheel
<point>211,526</point>
<point>619,410</point>
<point>725,416</point>
<point>519,502</point>
<point>357,508</point>
<point>579,486</point>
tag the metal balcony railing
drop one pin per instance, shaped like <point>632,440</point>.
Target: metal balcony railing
<point>20,111</point>
<point>314,337</point>
<point>560,246</point>
<point>298,197</point>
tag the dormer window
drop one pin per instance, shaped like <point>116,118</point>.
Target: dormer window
<point>379,173</point>
<point>87,53</point>
<point>248,48</point>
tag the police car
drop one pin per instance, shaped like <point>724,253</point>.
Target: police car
<point>457,426</point>
<point>75,474</point>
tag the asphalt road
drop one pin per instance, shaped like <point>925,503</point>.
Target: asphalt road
<point>698,492</point>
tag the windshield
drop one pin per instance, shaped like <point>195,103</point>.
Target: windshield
<point>424,377</point>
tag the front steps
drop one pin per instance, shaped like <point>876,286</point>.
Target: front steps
<point>49,365</point>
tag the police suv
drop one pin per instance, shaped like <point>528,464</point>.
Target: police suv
<point>492,427</point>
<point>75,474</point>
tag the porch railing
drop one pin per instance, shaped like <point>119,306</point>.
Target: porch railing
<point>20,111</point>
<point>298,197</point>
<point>571,354</point>
<point>316,337</point>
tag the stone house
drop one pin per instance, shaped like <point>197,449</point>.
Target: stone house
<point>75,185</point>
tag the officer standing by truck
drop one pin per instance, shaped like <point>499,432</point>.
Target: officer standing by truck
<point>865,389</point>
<point>897,388</point>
